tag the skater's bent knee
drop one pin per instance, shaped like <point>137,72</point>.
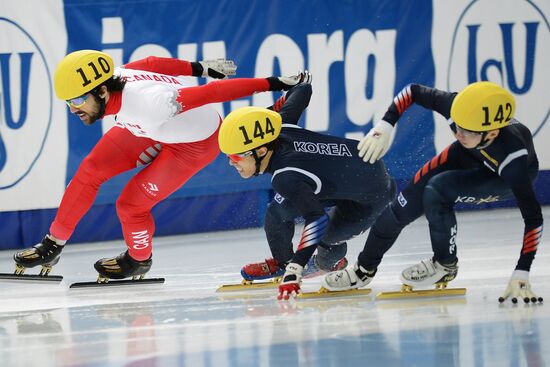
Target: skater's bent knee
<point>328,255</point>
<point>433,194</point>
<point>90,172</point>
<point>388,222</point>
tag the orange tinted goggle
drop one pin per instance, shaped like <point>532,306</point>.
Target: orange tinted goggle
<point>239,157</point>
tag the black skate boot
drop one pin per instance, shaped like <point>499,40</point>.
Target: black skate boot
<point>46,253</point>
<point>120,267</point>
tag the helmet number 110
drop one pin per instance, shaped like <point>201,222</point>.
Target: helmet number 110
<point>104,65</point>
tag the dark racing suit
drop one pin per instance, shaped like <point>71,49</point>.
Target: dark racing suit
<point>311,172</point>
<point>505,169</point>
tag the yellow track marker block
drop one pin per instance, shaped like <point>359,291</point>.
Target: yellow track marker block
<point>407,292</point>
<point>250,285</point>
<point>325,293</point>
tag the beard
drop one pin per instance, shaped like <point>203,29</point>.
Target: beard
<point>91,119</point>
<point>97,113</point>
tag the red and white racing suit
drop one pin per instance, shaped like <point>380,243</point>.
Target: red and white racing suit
<point>162,123</point>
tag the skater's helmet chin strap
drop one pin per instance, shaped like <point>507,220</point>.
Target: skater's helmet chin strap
<point>484,142</point>
<point>259,159</point>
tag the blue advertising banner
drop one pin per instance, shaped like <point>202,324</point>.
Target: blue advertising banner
<point>361,54</point>
<point>244,31</point>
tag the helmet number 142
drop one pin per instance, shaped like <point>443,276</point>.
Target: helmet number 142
<point>499,116</point>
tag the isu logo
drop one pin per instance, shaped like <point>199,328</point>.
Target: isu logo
<point>509,48</point>
<point>25,82</point>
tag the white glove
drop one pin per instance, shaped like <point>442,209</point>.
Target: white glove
<point>376,143</point>
<point>218,69</point>
<point>519,287</point>
<point>290,285</point>
<point>301,77</point>
<point>278,83</point>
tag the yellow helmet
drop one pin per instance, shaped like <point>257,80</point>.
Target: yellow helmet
<point>248,128</point>
<point>80,72</point>
<point>483,106</point>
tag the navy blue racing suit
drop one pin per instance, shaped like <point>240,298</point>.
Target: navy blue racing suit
<point>505,169</point>
<point>311,172</point>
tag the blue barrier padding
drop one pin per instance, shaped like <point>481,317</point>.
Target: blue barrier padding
<point>181,215</point>
<point>10,227</point>
<point>176,216</point>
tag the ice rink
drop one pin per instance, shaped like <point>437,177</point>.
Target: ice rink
<point>184,322</point>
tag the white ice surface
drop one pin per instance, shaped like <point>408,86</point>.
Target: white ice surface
<point>185,323</point>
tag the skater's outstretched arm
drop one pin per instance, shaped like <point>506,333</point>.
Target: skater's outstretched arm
<point>218,69</point>
<point>430,98</point>
<point>228,90</point>
<point>377,142</point>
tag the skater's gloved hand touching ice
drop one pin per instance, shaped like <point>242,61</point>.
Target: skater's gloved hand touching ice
<point>290,285</point>
<point>520,288</point>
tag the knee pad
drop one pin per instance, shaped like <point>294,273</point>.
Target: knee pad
<point>328,255</point>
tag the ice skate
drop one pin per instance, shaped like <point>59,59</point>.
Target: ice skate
<point>267,269</point>
<point>344,282</point>
<point>424,274</point>
<point>251,273</point>
<point>121,267</point>
<point>313,269</point>
<point>352,277</point>
<point>428,272</point>
<point>45,254</point>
